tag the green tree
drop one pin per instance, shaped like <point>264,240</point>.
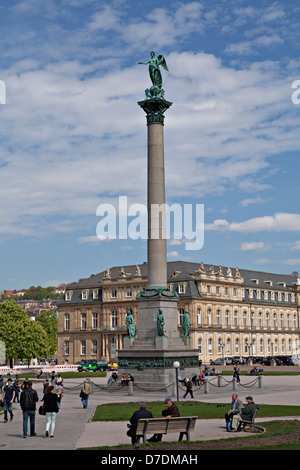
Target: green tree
<point>23,338</point>
<point>48,320</point>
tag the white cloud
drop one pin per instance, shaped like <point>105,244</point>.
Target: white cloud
<point>74,134</point>
<point>292,262</point>
<point>279,222</point>
<point>296,245</point>
<point>247,202</point>
<point>255,246</point>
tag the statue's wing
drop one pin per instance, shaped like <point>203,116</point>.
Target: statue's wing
<point>162,62</point>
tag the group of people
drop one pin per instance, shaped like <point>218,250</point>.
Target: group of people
<point>52,395</point>
<point>170,411</point>
<point>238,412</point>
<point>126,378</point>
<point>233,418</point>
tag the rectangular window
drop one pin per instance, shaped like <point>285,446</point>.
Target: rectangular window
<point>128,292</point>
<point>209,317</point>
<point>95,321</point>
<point>113,293</point>
<point>94,347</point>
<point>199,322</point>
<point>218,317</point>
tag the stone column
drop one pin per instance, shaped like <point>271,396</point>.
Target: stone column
<point>157,243</point>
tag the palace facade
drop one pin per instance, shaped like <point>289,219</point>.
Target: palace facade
<point>233,312</point>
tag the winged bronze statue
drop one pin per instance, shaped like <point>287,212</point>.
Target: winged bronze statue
<point>154,70</point>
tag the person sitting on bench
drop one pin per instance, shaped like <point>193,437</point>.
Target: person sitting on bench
<point>246,414</point>
<point>141,413</point>
<point>170,411</point>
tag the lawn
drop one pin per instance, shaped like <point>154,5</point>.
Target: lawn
<point>123,411</point>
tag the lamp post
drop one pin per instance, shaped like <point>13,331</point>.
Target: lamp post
<point>176,366</point>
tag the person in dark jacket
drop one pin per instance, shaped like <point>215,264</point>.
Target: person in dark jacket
<point>28,400</point>
<point>50,400</point>
<point>189,388</point>
<point>246,413</point>
<point>170,411</point>
<point>141,413</point>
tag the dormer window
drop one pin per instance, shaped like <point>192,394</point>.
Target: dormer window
<point>68,295</point>
<point>181,288</point>
<point>95,294</point>
<point>84,295</point>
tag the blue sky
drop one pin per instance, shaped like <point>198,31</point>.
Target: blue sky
<point>73,136</point>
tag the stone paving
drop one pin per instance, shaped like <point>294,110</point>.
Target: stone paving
<point>74,428</point>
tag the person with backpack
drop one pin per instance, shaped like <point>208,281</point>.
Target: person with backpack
<point>28,400</point>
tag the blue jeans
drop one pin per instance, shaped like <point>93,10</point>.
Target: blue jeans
<point>7,408</point>
<point>31,415</point>
<point>85,400</point>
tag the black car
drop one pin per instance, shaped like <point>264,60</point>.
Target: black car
<point>286,360</point>
<point>267,361</point>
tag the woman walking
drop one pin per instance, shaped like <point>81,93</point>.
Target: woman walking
<point>51,400</point>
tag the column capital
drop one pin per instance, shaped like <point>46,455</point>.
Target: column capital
<point>154,109</point>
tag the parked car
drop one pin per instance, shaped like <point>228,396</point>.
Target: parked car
<point>216,362</point>
<point>267,361</point>
<point>220,361</point>
<point>93,366</point>
<point>238,360</point>
<point>286,360</point>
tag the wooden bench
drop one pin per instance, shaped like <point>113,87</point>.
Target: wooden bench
<point>184,425</point>
<point>251,423</point>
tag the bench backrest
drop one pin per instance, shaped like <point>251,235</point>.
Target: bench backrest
<point>164,425</point>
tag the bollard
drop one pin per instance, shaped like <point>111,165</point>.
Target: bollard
<point>130,389</point>
<point>206,386</point>
<point>219,380</point>
<point>260,381</point>
<point>174,390</point>
<point>234,384</point>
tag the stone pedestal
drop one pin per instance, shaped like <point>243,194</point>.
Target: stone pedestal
<point>149,357</point>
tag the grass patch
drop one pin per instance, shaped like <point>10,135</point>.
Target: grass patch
<point>124,411</point>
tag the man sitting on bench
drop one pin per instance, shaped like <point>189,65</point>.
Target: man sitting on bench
<point>246,414</point>
<point>170,411</point>
<point>141,413</point>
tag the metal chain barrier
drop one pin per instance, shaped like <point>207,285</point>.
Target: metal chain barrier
<point>117,387</point>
